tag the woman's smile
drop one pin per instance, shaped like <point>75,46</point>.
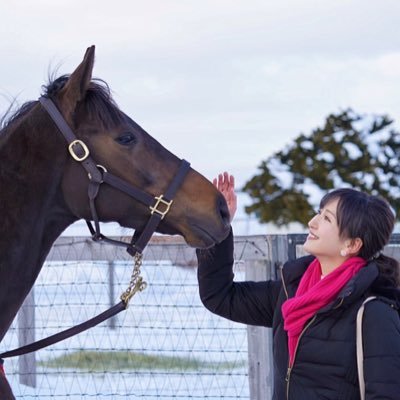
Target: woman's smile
<point>312,236</point>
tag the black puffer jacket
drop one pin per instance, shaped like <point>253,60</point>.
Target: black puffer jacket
<point>325,362</point>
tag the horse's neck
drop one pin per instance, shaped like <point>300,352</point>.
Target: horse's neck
<point>33,216</point>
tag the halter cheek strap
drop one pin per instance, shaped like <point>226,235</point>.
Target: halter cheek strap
<point>159,206</point>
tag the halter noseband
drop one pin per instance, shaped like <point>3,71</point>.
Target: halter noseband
<point>97,174</point>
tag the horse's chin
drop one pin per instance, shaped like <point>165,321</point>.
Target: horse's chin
<point>200,238</point>
<point>195,235</point>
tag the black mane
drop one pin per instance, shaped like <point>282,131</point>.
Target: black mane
<point>98,100</point>
<point>98,103</point>
<point>9,116</point>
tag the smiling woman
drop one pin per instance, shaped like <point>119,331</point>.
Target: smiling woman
<point>312,309</point>
<point>75,155</point>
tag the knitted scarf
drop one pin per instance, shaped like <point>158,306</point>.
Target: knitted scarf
<point>312,294</point>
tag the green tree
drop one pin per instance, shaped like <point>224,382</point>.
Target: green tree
<point>350,150</point>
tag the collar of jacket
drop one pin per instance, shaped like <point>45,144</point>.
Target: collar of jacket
<point>356,288</point>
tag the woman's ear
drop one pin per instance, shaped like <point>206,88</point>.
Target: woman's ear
<point>354,246</point>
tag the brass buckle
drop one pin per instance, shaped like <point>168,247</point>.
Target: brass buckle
<point>165,203</point>
<point>72,151</point>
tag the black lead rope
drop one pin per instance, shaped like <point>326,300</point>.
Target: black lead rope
<point>60,336</point>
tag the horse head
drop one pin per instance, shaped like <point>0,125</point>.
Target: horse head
<point>121,147</point>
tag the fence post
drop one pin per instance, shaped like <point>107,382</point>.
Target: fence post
<point>111,291</point>
<point>26,335</point>
<point>260,338</point>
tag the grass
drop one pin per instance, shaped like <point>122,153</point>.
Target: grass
<point>124,360</point>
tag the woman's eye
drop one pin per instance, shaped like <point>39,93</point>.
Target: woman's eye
<point>126,139</point>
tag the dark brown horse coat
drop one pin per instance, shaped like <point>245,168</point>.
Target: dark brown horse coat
<point>43,189</point>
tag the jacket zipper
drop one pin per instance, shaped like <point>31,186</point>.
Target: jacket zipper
<point>284,284</point>
<point>339,304</point>
<point>290,368</point>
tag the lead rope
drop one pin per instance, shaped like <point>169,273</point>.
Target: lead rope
<point>136,284</point>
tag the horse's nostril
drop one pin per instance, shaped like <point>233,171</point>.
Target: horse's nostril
<point>224,211</point>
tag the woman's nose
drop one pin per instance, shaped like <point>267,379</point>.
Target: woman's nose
<point>313,221</point>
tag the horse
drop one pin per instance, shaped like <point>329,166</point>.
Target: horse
<point>44,189</point>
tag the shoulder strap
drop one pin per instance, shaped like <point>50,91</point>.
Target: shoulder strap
<point>360,350</point>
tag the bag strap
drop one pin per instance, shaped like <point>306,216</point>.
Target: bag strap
<point>360,350</point>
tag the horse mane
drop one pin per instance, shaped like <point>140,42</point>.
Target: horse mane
<point>98,103</point>
<point>10,117</point>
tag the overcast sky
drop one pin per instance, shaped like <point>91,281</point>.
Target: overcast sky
<point>224,84</point>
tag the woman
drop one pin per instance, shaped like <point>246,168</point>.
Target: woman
<point>312,309</point>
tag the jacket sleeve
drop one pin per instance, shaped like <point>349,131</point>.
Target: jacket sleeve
<point>381,342</point>
<point>248,302</point>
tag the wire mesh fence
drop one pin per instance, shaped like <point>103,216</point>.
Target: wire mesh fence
<point>165,345</point>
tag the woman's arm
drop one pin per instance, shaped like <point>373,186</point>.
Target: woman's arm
<point>252,303</point>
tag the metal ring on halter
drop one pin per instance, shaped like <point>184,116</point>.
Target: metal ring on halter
<point>99,166</point>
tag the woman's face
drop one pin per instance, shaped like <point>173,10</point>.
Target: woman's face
<point>323,240</point>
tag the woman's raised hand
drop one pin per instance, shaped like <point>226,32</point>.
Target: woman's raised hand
<point>225,183</point>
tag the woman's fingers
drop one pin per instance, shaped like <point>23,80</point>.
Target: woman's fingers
<point>225,183</point>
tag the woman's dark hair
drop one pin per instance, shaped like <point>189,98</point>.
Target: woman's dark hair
<point>370,218</point>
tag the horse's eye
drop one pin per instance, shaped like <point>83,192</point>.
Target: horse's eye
<point>126,139</point>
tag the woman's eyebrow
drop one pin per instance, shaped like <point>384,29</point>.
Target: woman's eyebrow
<point>330,212</point>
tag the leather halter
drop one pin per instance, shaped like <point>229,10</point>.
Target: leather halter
<point>97,174</point>
<point>158,205</point>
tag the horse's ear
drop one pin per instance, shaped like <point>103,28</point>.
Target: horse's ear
<point>77,84</point>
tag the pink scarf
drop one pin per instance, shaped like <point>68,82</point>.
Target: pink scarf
<point>312,294</point>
